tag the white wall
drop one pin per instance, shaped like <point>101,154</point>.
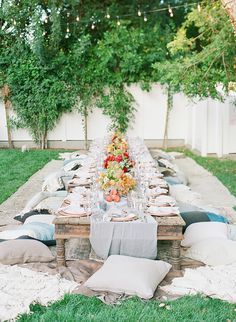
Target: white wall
<point>207,126</point>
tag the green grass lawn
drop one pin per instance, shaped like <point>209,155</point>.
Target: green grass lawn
<point>79,308</point>
<point>16,167</point>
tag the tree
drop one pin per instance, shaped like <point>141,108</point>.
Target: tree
<point>203,54</point>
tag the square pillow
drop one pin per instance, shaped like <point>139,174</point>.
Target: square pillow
<point>129,275</point>
<point>34,230</point>
<point>213,251</point>
<point>24,251</point>
<point>22,218</point>
<point>203,230</point>
<point>45,219</point>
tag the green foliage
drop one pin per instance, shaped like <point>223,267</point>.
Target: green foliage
<point>203,53</point>
<point>52,62</point>
<point>39,94</point>
<point>49,63</point>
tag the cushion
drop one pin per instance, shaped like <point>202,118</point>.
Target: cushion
<point>213,251</point>
<point>39,197</point>
<point>45,219</point>
<point>186,207</point>
<point>191,217</point>
<point>34,212</point>
<point>203,230</point>
<point>51,203</point>
<point>53,182</point>
<point>45,242</point>
<point>24,251</point>
<point>39,231</point>
<point>129,275</point>
<point>232,232</point>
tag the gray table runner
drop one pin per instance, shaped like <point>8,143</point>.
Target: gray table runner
<point>135,238</point>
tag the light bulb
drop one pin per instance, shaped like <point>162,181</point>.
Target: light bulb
<point>199,7</point>
<point>77,18</point>
<point>108,16</point>
<point>171,14</point>
<point>139,13</point>
<point>46,19</point>
<point>118,23</point>
<point>14,22</point>
<point>67,30</point>
<point>145,18</point>
<point>93,26</point>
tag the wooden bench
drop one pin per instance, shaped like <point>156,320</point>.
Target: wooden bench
<point>169,228</point>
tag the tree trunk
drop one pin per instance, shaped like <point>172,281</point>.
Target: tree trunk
<point>9,137</point>
<point>168,109</point>
<point>86,130</point>
<point>7,105</point>
<point>44,142</point>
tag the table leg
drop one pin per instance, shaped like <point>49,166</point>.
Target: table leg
<point>61,261</point>
<point>175,255</point>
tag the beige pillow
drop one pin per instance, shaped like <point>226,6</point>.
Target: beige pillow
<point>129,275</point>
<point>213,251</point>
<point>24,251</point>
<point>203,230</point>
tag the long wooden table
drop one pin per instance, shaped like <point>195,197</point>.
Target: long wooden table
<point>169,228</point>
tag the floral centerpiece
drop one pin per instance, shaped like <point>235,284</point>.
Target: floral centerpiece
<point>118,152</point>
<point>116,181</point>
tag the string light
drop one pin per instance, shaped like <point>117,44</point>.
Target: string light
<point>139,13</point>
<point>170,11</point>
<point>118,21</point>
<point>14,22</point>
<point>199,7</point>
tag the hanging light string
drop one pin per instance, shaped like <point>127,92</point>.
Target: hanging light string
<point>139,13</point>
<point>161,9</point>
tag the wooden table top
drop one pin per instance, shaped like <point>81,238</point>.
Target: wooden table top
<point>162,221</point>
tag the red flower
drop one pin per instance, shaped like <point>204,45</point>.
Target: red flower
<point>125,169</point>
<point>119,158</point>
<point>105,164</point>
<point>126,154</point>
<point>111,157</point>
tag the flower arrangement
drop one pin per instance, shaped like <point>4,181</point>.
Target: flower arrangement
<point>123,160</point>
<point>118,152</point>
<point>116,180</point>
